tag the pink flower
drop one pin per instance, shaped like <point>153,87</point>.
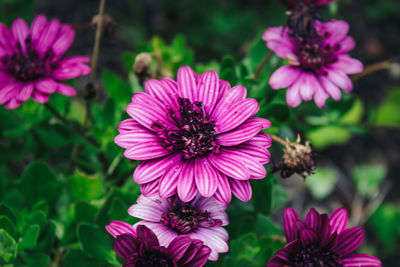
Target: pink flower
<point>141,248</point>
<point>320,240</point>
<point>31,63</point>
<point>195,135</point>
<point>318,66</point>
<point>200,219</point>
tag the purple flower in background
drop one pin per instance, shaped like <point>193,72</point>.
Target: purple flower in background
<point>200,218</point>
<point>318,66</point>
<point>141,248</point>
<point>195,135</point>
<point>31,63</point>
<point>320,240</point>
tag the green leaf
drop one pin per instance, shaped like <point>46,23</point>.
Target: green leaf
<point>262,195</point>
<point>30,237</point>
<point>76,258</point>
<point>368,178</point>
<point>94,242</point>
<point>36,259</point>
<point>35,174</point>
<point>117,210</point>
<point>385,223</point>
<point>322,182</point>
<point>7,224</point>
<point>7,246</point>
<point>328,135</point>
<point>85,187</point>
<point>6,211</point>
<point>266,226</point>
<point>116,88</point>
<point>388,112</point>
<point>354,114</point>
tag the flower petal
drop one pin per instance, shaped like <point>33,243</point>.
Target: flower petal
<point>116,228</point>
<point>143,151</point>
<point>308,237</point>
<point>65,89</point>
<point>284,77</point>
<point>330,88</point>
<point>244,132</point>
<point>205,177</point>
<point>150,170</point>
<point>340,79</point>
<point>165,91</point>
<point>290,218</point>
<point>241,189</point>
<point>179,246</point>
<point>360,260</point>
<point>186,186</point>
<point>169,181</point>
<point>347,65</point>
<point>229,166</point>
<point>187,83</point>
<point>46,86</point>
<point>47,36</point>
<point>231,96</point>
<point>150,189</point>
<point>223,194</point>
<point>207,90</point>
<point>25,92</point>
<point>64,39</point>
<point>37,26</point>
<point>349,240</point>
<point>338,220</point>
<point>237,114</point>
<point>20,31</point>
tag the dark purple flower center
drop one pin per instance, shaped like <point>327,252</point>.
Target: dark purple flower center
<point>184,218</point>
<point>195,136</point>
<point>300,20</point>
<point>313,55</point>
<point>153,258</point>
<point>313,256</point>
<point>28,65</point>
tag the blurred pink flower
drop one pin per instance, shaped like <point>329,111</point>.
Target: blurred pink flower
<point>141,247</point>
<point>195,135</point>
<point>318,66</point>
<point>320,240</point>
<point>31,63</point>
<point>200,218</point>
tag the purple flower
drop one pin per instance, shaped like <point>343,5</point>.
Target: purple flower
<point>318,66</point>
<point>195,135</point>
<point>320,240</point>
<point>31,63</point>
<point>141,248</point>
<point>200,218</point>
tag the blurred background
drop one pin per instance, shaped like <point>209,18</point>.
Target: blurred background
<point>357,142</point>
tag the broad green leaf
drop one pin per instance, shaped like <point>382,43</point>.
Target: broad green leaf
<point>38,182</point>
<point>385,223</point>
<point>36,259</point>
<point>94,242</point>
<point>322,182</point>
<point>77,258</point>
<point>30,237</point>
<point>328,135</point>
<point>368,178</point>
<point>117,89</point>
<point>265,226</point>
<point>388,112</point>
<point>7,225</point>
<point>262,194</point>
<point>7,246</point>
<point>354,114</point>
<point>6,211</point>
<point>85,187</point>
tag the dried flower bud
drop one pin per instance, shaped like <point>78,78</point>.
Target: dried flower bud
<point>141,66</point>
<point>109,24</point>
<point>297,158</point>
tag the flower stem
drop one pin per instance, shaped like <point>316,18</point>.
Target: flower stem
<point>96,46</point>
<point>68,123</point>
<point>372,68</point>
<point>262,65</point>
<point>278,140</point>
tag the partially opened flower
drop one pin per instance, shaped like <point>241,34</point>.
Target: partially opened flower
<point>195,135</point>
<point>31,63</point>
<point>141,248</point>
<point>317,66</point>
<point>200,218</point>
<point>321,240</point>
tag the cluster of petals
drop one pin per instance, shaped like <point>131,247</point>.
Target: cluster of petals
<point>201,218</point>
<point>317,67</point>
<point>141,247</point>
<point>195,135</point>
<point>31,62</point>
<point>321,240</point>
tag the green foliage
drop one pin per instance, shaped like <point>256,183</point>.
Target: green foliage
<point>388,112</point>
<point>322,182</point>
<point>368,178</point>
